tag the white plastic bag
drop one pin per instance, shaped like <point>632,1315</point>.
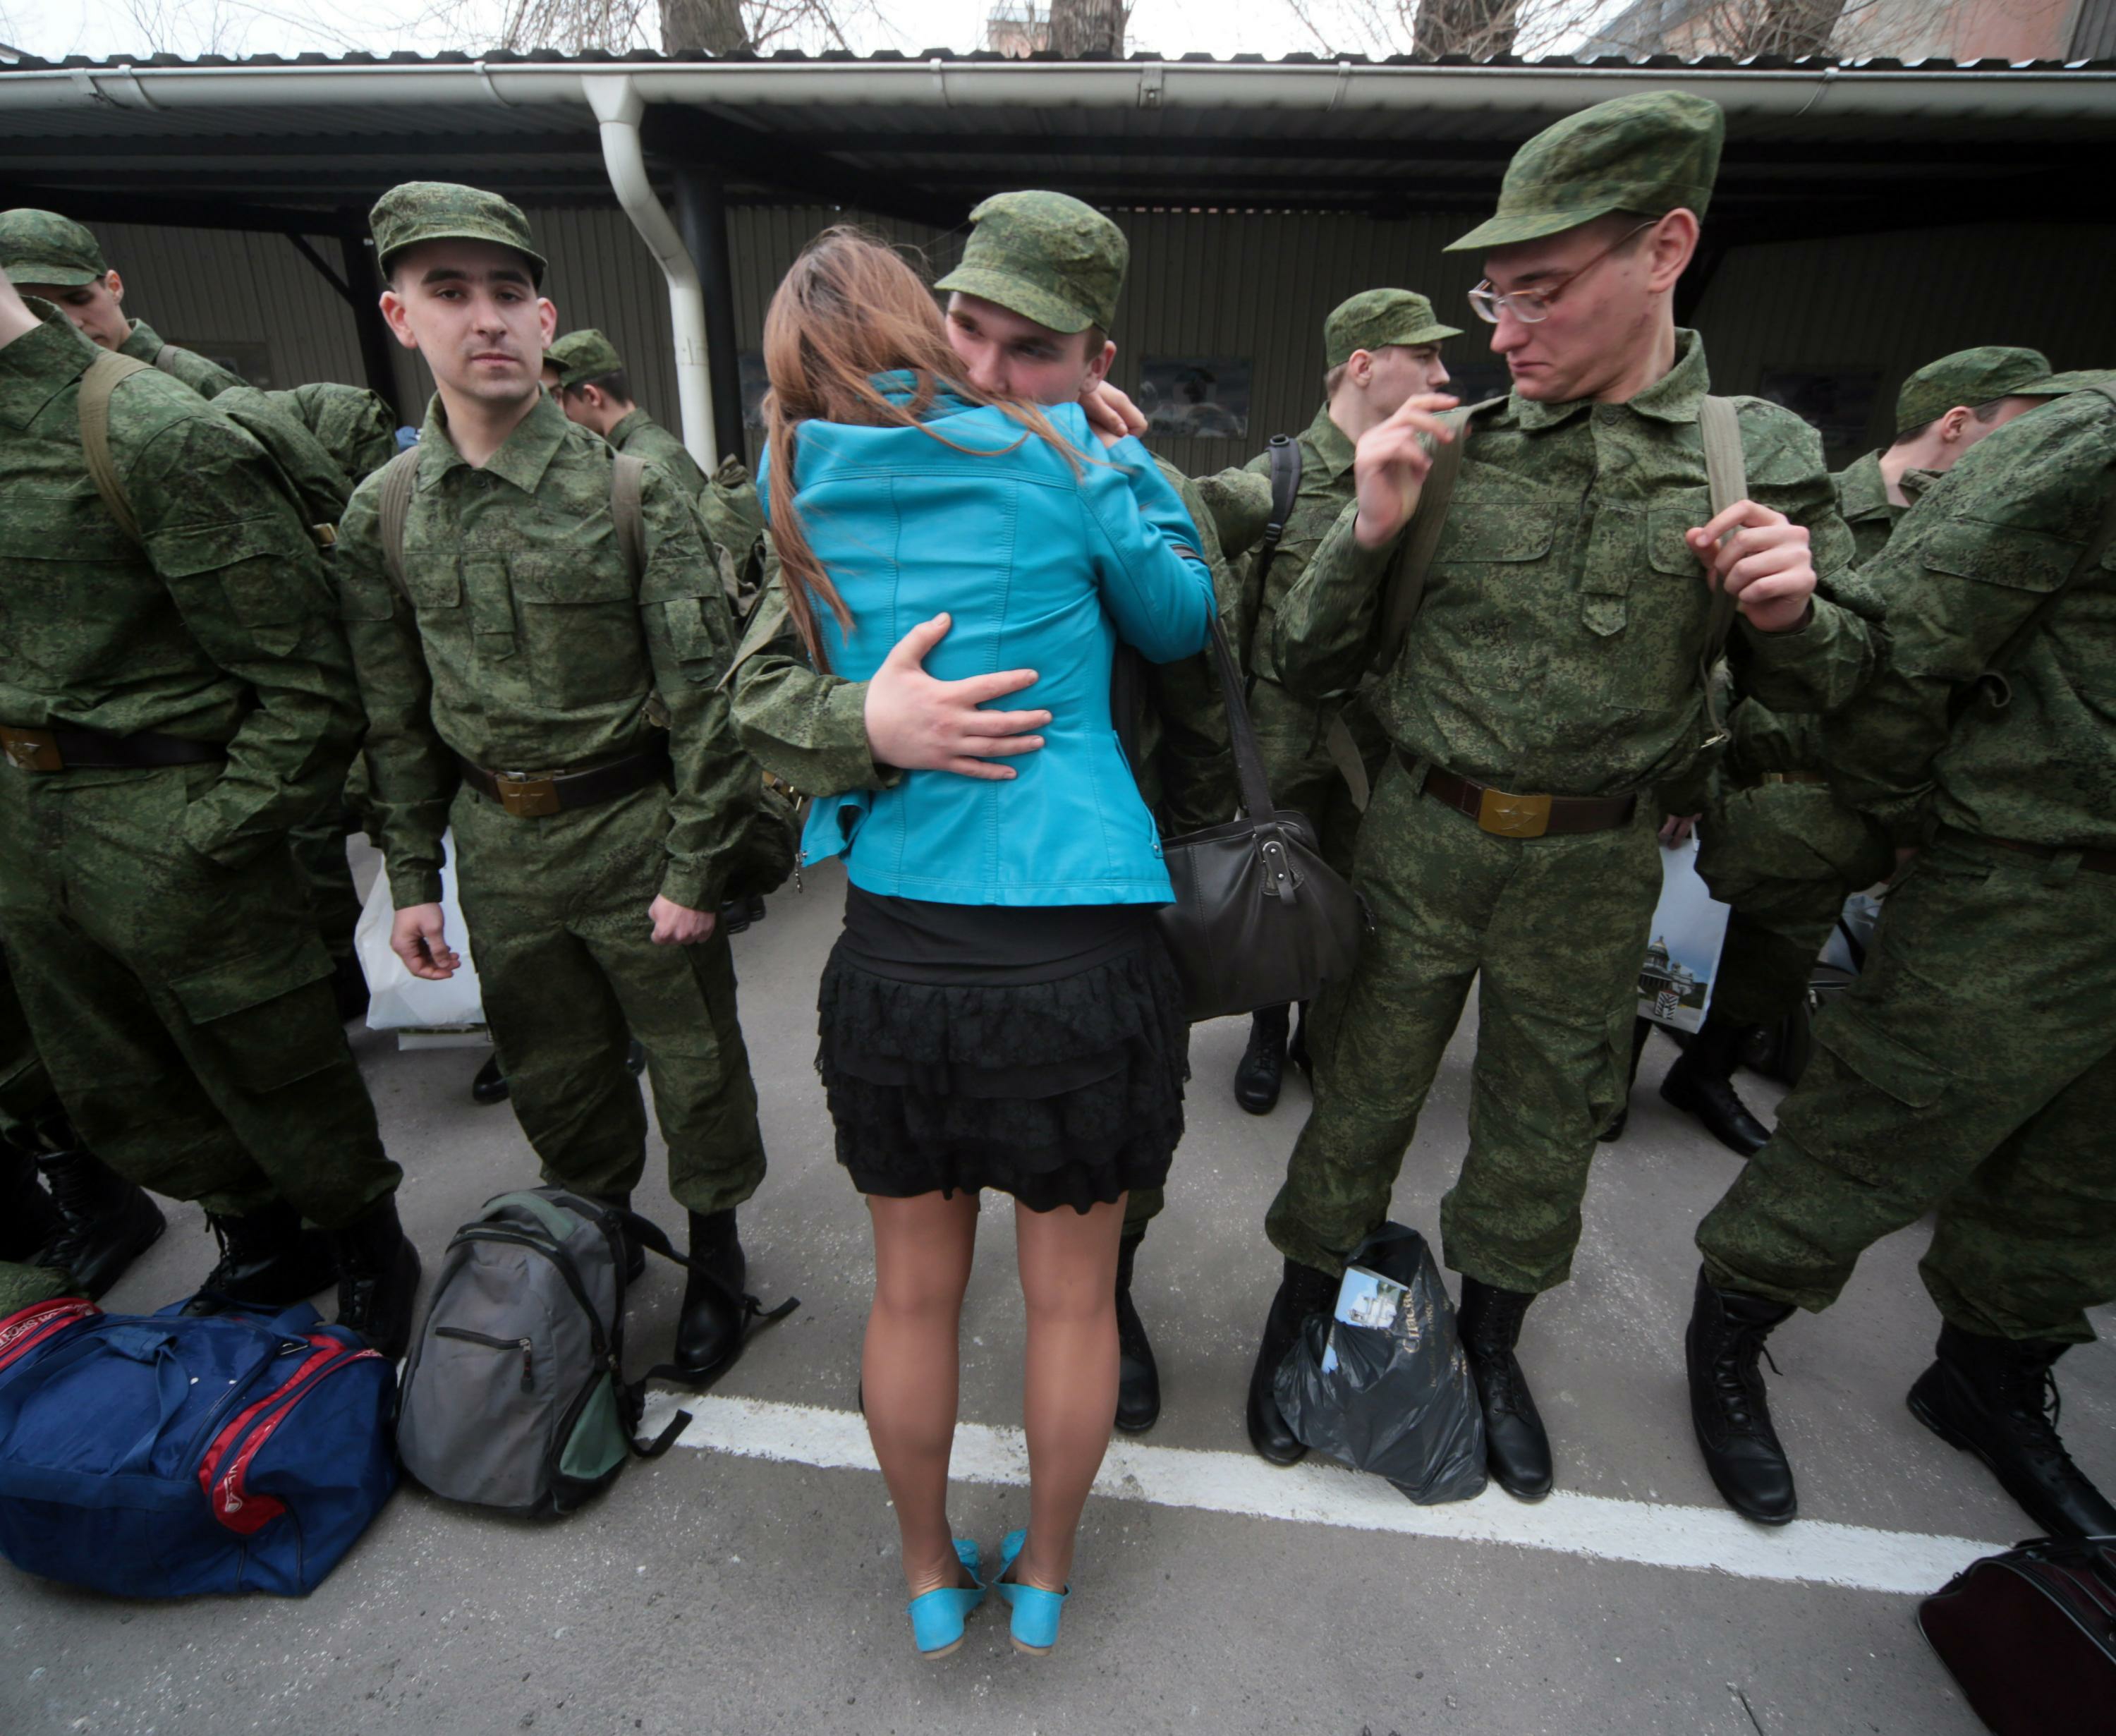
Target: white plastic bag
<point>397,1000</point>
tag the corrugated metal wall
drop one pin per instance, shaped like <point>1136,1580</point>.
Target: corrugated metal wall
<point>1250,285</point>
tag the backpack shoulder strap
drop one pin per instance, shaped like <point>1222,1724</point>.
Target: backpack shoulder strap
<point>1406,579</point>
<point>628,478</point>
<point>1727,479</point>
<point>165,361</point>
<point>1284,452</point>
<point>400,476</point>
<point>96,385</point>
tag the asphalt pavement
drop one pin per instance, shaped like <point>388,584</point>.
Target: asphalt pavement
<point>747,1582</point>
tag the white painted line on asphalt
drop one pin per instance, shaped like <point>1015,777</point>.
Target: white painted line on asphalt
<point>1854,1556</point>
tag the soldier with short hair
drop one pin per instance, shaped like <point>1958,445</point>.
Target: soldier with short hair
<point>1775,844</point>
<point>1549,684</point>
<point>1971,1070</point>
<point>559,706</point>
<point>171,705</point>
<point>1379,347</point>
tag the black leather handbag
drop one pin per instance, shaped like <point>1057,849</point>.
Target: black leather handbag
<point>1259,919</point>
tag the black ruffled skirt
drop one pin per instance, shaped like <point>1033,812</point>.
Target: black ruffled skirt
<point>1068,1092</point>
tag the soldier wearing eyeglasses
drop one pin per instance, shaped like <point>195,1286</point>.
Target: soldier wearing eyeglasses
<point>1547,689</point>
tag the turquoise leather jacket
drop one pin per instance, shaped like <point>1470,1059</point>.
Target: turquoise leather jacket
<point>1045,561</point>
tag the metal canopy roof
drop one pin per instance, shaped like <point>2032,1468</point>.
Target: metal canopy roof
<point>1813,147</point>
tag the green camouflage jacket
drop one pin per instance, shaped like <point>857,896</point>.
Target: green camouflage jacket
<point>523,646</point>
<point>1563,622</point>
<point>1964,571</point>
<point>208,379</point>
<point>726,501</point>
<point>221,630</point>
<point>1326,485</point>
<point>810,729</point>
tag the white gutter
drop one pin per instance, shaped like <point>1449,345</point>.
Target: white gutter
<point>618,107</point>
<point>2040,93</point>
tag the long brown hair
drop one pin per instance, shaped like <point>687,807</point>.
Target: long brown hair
<point>850,308</point>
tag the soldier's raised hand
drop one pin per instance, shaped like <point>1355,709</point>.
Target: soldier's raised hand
<point>1763,559</point>
<point>1390,465</point>
<point>417,937</point>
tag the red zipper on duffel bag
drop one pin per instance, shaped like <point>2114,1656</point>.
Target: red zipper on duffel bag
<point>221,1472</point>
<point>19,1333</point>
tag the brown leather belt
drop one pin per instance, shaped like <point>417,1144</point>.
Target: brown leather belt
<point>95,750</point>
<point>530,795</point>
<point>1793,777</point>
<point>2101,861</point>
<point>1509,816</point>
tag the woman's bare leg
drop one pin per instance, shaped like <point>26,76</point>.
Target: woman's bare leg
<point>909,1370</point>
<point>1068,1278</point>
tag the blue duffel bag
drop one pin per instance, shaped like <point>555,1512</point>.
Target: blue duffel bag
<point>161,1455</point>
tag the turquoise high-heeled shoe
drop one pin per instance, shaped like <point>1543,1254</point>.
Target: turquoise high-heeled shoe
<point>1036,1611</point>
<point>937,1617</point>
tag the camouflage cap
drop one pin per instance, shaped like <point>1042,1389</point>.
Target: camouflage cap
<point>440,211</point>
<point>43,247</point>
<point>583,355</point>
<point>1970,377</point>
<point>1376,318</point>
<point>1652,154</point>
<point>1046,257</point>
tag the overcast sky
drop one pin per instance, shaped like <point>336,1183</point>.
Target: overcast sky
<point>103,27</point>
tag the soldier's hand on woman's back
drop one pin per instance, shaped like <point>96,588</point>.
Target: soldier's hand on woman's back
<point>417,938</point>
<point>917,723</point>
<point>1761,558</point>
<point>1390,465</point>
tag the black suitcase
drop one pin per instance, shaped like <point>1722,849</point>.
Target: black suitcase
<point>2030,1637</point>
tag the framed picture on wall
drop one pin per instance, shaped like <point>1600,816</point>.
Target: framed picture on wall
<point>1196,396</point>
<point>755,383</point>
<point>1839,402</point>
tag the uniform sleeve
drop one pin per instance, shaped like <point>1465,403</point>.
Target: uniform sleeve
<point>413,775</point>
<point>1821,664</point>
<point>1153,580</point>
<point>240,565</point>
<point>1321,636</point>
<point>690,639</point>
<point>1968,566</point>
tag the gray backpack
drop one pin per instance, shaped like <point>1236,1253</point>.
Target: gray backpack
<point>514,1396</point>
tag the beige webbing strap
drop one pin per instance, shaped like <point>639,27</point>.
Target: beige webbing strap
<point>627,475</point>
<point>165,360</point>
<point>400,476</point>
<point>94,408</point>
<point>1727,478</point>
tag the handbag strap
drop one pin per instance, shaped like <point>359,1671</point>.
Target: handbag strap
<point>1251,785</point>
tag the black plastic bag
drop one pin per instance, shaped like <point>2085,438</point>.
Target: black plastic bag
<point>1395,1396</point>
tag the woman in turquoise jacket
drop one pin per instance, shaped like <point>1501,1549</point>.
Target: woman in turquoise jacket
<point>999,1011</point>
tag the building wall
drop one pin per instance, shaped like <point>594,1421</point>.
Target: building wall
<point>1248,287</point>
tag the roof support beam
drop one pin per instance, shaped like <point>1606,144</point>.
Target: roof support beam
<point>691,136</point>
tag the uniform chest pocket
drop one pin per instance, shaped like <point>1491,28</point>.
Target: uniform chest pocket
<point>580,625</point>
<point>433,579</point>
<point>1494,530</point>
<point>2012,556</point>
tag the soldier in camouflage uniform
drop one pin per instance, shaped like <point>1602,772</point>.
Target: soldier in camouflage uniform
<point>1775,844</point>
<point>1379,348</point>
<point>1030,308</point>
<point>1971,1068</point>
<point>513,682</point>
<point>584,372</point>
<point>1549,684</point>
<point>155,931</point>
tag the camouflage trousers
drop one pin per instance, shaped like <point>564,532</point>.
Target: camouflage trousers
<point>1970,1069</point>
<point>1786,857</point>
<point>1553,930</point>
<point>326,877</point>
<point>556,908</point>
<point>26,1088</point>
<point>21,1285</point>
<point>182,1008</point>
<point>1303,776</point>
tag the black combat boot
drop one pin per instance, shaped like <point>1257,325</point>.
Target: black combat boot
<point>1515,1446</point>
<point>709,1329</point>
<point>110,1222</point>
<point>1262,1069</point>
<point>1701,1083</point>
<point>29,1222</point>
<point>1138,1377</point>
<point>1641,1029</point>
<point>1988,1396</point>
<point>1724,1348</point>
<point>1302,1291</point>
<point>268,1259</point>
<point>490,1086</point>
<point>378,1278</point>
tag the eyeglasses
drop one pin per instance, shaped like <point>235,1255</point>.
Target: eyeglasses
<point>1532,306</point>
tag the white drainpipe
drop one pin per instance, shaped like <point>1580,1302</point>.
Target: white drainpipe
<point>618,107</point>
